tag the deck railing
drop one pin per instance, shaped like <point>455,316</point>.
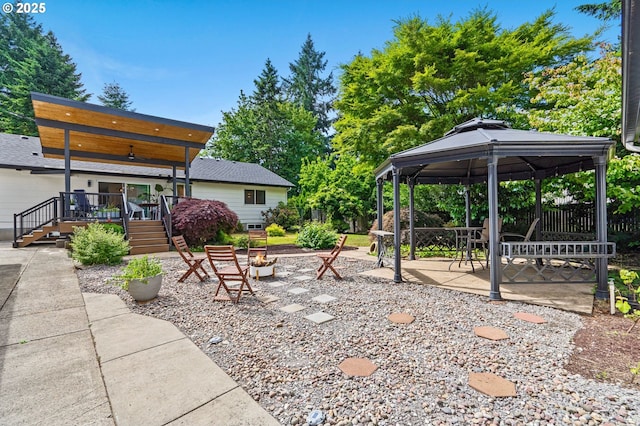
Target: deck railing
<point>34,217</point>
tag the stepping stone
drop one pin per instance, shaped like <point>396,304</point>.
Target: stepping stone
<point>297,290</point>
<point>285,273</point>
<point>293,308</point>
<point>277,284</point>
<point>303,278</point>
<point>268,298</point>
<point>303,270</point>
<point>324,298</point>
<point>529,317</point>
<point>319,317</point>
<point>357,367</point>
<point>490,333</point>
<point>401,318</point>
<point>492,385</point>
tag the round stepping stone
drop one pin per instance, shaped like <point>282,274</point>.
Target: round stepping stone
<point>529,317</point>
<point>492,385</point>
<point>357,367</point>
<point>490,333</point>
<point>401,318</point>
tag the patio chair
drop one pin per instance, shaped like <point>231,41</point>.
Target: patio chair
<point>481,240</point>
<point>83,207</point>
<point>193,262</point>
<point>328,258</point>
<point>136,209</point>
<point>510,236</point>
<point>224,262</point>
<point>257,244</point>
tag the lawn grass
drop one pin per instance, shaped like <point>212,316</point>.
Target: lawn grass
<point>357,240</point>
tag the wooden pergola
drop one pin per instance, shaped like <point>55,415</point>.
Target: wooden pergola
<point>74,130</point>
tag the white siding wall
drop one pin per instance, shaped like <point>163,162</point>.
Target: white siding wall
<point>20,190</point>
<point>233,196</point>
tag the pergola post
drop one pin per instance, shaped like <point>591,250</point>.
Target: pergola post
<point>600,162</point>
<point>175,184</point>
<point>397,276</point>
<point>412,224</point>
<point>494,252</point>
<point>187,184</point>
<point>67,163</point>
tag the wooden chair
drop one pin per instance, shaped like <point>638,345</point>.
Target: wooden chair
<point>257,244</point>
<point>194,262</point>
<point>224,263</point>
<point>328,258</point>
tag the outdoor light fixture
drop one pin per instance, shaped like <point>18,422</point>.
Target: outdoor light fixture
<point>131,155</point>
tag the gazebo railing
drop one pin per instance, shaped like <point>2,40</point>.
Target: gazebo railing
<point>552,261</point>
<point>440,241</point>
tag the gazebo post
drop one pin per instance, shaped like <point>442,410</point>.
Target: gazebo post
<point>412,222</point>
<point>397,276</point>
<point>380,206</point>
<point>494,251</point>
<point>467,207</point>
<point>600,162</point>
<point>538,209</point>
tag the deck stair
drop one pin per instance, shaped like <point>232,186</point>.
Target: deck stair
<point>36,235</point>
<point>147,236</point>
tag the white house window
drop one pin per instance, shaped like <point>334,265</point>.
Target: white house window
<point>254,196</point>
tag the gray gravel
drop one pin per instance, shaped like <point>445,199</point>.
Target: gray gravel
<point>290,365</point>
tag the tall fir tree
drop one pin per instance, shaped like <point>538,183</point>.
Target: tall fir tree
<point>114,96</point>
<point>308,88</point>
<point>31,61</point>
<point>266,129</point>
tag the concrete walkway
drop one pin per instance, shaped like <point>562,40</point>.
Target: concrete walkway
<point>68,359</point>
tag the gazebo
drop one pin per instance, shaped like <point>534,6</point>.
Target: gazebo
<point>490,151</point>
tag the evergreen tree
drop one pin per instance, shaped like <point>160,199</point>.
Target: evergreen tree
<point>31,61</point>
<point>114,96</point>
<point>267,130</point>
<point>306,86</point>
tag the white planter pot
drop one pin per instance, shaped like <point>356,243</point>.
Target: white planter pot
<point>142,292</point>
<point>261,271</point>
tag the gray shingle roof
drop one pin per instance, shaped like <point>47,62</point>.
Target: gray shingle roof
<point>26,152</point>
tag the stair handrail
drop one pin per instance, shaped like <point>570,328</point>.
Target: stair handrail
<point>165,217</point>
<point>125,216</point>
<point>34,217</point>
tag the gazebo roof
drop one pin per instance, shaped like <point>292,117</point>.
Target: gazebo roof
<point>461,155</point>
<point>109,135</point>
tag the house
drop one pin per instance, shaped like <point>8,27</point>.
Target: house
<point>27,178</point>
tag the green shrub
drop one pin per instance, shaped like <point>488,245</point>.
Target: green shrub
<point>118,229</point>
<point>275,230</point>
<point>241,241</point>
<point>315,235</point>
<point>283,215</point>
<point>97,245</point>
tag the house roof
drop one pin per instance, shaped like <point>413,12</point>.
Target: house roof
<point>109,135</point>
<point>461,156</point>
<point>25,152</point>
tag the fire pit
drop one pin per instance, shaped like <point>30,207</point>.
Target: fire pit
<point>260,266</point>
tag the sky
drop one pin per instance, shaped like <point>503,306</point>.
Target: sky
<point>188,60</point>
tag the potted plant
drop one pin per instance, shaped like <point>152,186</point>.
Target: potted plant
<point>142,278</point>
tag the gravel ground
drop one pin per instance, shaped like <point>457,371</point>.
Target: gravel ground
<point>290,365</point>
